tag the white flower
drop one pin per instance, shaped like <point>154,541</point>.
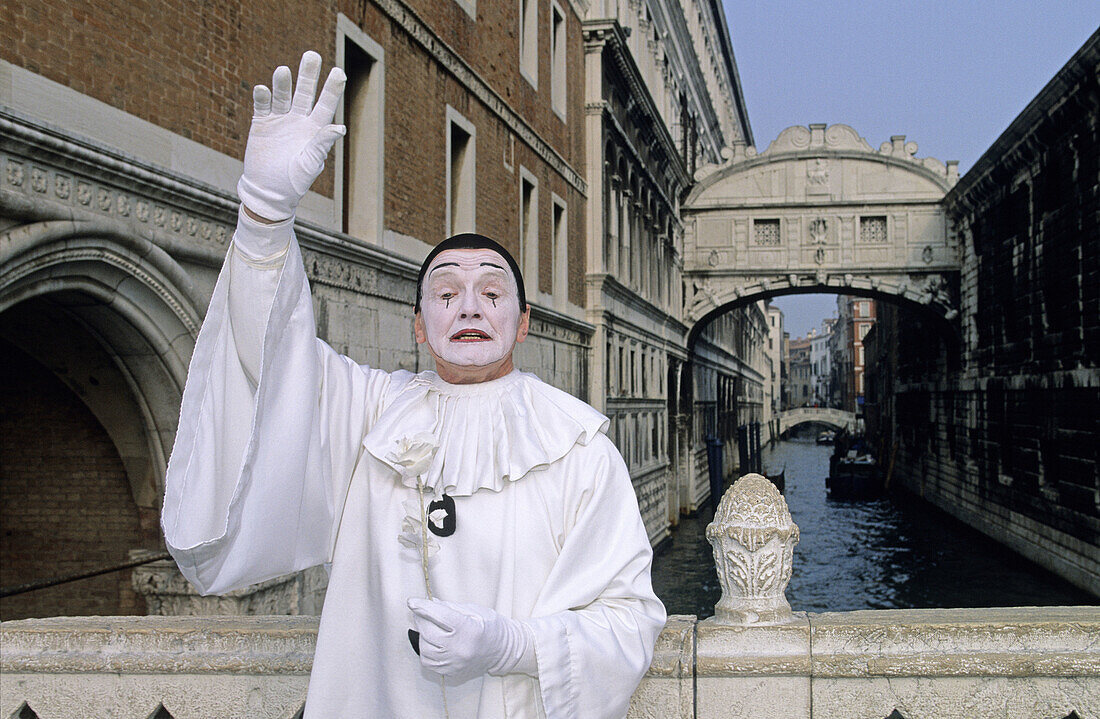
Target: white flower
<point>412,536</point>
<point>414,454</point>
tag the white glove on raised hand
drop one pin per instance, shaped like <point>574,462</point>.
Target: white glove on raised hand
<point>463,641</point>
<point>289,138</point>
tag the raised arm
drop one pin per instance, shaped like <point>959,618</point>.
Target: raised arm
<point>272,418</point>
<point>288,142</point>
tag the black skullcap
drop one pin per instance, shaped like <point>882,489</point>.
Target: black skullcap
<point>470,241</point>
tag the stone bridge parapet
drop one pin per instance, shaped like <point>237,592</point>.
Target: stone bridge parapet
<point>1021,663</point>
<point>755,659</point>
<point>834,417</point>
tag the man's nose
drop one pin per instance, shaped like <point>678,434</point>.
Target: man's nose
<point>469,306</point>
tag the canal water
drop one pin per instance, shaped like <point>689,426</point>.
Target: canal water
<point>889,553</point>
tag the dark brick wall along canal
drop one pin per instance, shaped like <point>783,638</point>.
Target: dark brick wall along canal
<point>891,553</point>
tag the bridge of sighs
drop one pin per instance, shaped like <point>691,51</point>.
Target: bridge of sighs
<point>820,210</point>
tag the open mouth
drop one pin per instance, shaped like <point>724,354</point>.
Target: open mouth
<point>470,336</point>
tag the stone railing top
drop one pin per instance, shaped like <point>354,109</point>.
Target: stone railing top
<point>928,662</point>
<point>997,641</point>
<point>187,645</point>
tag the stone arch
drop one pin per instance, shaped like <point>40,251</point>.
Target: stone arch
<point>720,305</point>
<point>113,317</point>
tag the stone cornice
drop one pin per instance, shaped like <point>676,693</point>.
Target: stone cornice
<point>607,35</point>
<point>442,53</point>
<point>554,319</point>
<point>809,204</point>
<point>731,68</point>
<point>47,175</point>
<point>614,289</point>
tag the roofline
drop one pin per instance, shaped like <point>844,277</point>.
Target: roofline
<point>731,67</point>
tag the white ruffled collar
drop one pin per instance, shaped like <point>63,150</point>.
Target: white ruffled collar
<point>488,433</point>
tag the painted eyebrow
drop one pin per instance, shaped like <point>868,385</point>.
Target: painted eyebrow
<point>442,264</point>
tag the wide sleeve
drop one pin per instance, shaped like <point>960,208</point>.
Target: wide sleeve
<point>268,438</point>
<point>597,619</point>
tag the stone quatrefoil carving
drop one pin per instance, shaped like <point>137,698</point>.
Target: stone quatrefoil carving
<point>753,538</point>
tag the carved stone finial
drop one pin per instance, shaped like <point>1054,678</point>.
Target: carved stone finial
<point>753,538</point>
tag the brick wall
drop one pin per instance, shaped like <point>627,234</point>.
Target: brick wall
<point>189,67</point>
<point>65,504</point>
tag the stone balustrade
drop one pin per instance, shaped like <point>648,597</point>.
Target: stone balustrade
<point>755,658</point>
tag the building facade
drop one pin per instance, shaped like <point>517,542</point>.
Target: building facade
<point>995,417</point>
<point>567,131</point>
<point>800,375</point>
<point>855,318</point>
<point>821,362</point>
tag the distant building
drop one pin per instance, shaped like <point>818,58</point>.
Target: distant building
<point>821,362</point>
<point>775,355</point>
<point>855,318</point>
<point>800,379</point>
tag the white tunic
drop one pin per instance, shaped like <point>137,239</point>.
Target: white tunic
<point>290,471</point>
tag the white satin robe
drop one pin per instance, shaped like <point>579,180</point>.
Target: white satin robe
<point>272,477</point>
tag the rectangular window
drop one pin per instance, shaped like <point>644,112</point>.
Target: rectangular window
<point>528,41</point>
<point>359,162</point>
<point>460,174</point>
<point>864,328</point>
<point>766,232</point>
<point>560,238</point>
<point>529,227</point>
<point>557,59</point>
<point>872,229</point>
<point>860,360</point>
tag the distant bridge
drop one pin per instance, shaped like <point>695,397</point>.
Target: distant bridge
<point>833,417</point>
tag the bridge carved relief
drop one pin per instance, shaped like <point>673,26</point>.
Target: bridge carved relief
<point>820,210</point>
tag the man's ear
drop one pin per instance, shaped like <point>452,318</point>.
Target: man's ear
<point>418,329</point>
<point>524,325</point>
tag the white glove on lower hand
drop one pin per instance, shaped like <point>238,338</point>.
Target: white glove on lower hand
<point>463,641</point>
<point>289,138</point>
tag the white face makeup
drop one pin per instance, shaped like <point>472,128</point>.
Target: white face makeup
<point>469,315</point>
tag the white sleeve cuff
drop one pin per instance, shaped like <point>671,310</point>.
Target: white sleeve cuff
<point>259,243</point>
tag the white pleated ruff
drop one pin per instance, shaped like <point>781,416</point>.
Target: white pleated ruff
<point>488,434</point>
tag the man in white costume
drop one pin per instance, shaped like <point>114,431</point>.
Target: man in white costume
<point>487,554</point>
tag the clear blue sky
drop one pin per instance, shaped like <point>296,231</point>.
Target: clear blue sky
<point>950,76</point>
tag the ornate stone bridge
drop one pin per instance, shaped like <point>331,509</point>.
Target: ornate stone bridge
<point>833,417</point>
<point>820,210</point>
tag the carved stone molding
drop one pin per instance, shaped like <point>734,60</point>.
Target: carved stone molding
<point>753,538</point>
<point>167,593</point>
